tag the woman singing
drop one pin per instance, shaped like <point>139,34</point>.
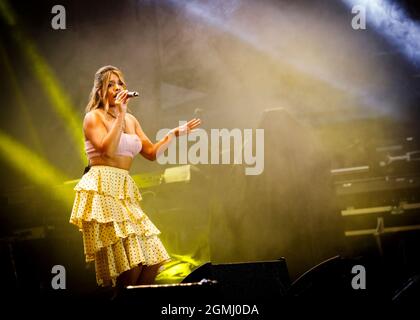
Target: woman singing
<point>117,234</point>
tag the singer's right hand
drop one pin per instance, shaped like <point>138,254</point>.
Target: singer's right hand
<point>121,101</point>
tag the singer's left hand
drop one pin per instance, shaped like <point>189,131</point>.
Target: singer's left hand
<point>187,128</point>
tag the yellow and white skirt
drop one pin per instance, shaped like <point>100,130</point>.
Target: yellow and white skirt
<point>117,234</point>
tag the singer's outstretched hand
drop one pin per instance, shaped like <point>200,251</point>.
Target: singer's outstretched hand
<point>188,127</point>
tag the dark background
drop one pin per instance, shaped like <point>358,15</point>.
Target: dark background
<point>327,96</point>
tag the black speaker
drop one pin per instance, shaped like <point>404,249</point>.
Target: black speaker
<point>331,280</point>
<point>167,294</point>
<point>202,272</point>
<point>247,281</point>
<point>325,279</point>
<point>409,293</point>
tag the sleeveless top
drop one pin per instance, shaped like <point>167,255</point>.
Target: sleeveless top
<point>129,146</point>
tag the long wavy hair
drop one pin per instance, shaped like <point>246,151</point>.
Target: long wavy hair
<point>98,95</point>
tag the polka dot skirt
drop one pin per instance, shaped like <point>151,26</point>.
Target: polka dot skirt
<point>117,234</point>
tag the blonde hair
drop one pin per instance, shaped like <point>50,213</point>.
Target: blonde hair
<point>98,95</point>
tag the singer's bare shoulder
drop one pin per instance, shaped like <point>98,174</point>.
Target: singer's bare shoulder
<point>93,118</point>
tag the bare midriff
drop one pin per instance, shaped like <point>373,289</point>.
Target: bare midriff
<point>121,162</point>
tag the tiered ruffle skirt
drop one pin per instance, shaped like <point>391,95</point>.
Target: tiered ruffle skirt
<point>117,234</point>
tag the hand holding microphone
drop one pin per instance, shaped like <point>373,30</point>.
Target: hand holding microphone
<point>122,98</point>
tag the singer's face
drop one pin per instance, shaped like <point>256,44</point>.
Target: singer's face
<point>115,85</point>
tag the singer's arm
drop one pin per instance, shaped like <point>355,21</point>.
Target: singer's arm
<point>149,150</point>
<point>96,133</point>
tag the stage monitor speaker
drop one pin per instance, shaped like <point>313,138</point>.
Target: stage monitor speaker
<point>322,279</point>
<point>331,280</point>
<point>409,293</point>
<point>248,281</point>
<point>167,294</point>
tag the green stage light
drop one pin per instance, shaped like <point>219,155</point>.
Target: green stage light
<point>7,13</point>
<point>176,270</point>
<point>37,169</point>
<point>28,123</point>
<point>57,96</point>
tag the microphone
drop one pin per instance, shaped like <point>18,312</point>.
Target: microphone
<point>131,94</point>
